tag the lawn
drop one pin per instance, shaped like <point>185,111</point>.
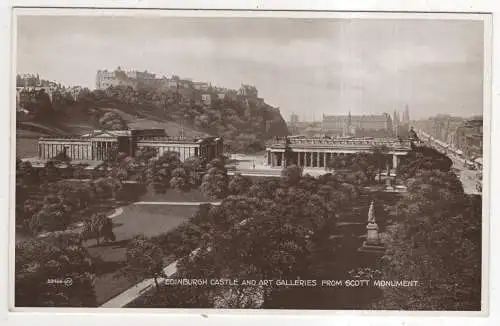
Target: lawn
<point>149,220</point>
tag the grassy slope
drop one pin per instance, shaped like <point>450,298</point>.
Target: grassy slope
<point>77,123</point>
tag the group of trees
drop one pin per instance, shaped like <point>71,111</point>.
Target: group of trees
<point>437,240</point>
<point>112,121</point>
<point>423,158</point>
<point>362,167</point>
<point>281,229</point>
<point>54,272</point>
<point>265,229</point>
<point>168,171</point>
<point>45,203</point>
<point>245,122</point>
<point>97,227</point>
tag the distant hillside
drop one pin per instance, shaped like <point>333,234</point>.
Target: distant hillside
<point>245,122</point>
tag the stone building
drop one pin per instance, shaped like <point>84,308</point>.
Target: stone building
<point>248,91</point>
<point>469,138</point>
<point>99,145</point>
<point>337,125</point>
<point>206,98</point>
<point>316,152</point>
<point>129,78</point>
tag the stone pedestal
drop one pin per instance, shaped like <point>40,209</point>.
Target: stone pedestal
<point>372,234</point>
<point>372,243</point>
<point>388,185</point>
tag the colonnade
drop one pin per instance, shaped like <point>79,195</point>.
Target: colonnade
<point>184,151</point>
<point>101,149</point>
<point>314,159</point>
<point>95,150</point>
<point>76,151</point>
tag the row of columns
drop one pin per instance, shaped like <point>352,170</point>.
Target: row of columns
<point>312,159</point>
<point>102,149</point>
<point>184,151</point>
<point>74,151</point>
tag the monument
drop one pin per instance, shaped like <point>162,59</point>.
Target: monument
<point>388,185</point>
<point>372,243</point>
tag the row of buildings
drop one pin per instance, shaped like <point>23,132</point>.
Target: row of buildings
<point>381,125</point>
<point>463,135</point>
<point>30,85</point>
<point>203,92</point>
<point>100,145</point>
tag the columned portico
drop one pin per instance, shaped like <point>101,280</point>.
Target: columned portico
<point>316,153</point>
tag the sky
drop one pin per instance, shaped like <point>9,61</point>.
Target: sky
<point>305,66</point>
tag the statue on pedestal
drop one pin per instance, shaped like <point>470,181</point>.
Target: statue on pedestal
<point>372,243</point>
<point>372,227</point>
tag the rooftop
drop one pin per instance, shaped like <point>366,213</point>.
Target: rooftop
<point>369,141</point>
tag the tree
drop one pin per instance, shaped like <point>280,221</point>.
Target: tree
<point>180,179</point>
<point>51,171</point>
<point>37,102</point>
<point>438,243</point>
<point>40,261</point>
<point>97,227</point>
<point>54,214</point>
<point>424,158</point>
<point>194,166</point>
<point>479,183</point>
<point>146,154</point>
<point>215,181</point>
<point>112,121</point>
<point>380,156</point>
<point>288,155</point>
<point>107,188</point>
<point>159,172</point>
<point>366,163</point>
<point>291,175</point>
<point>239,185</point>
<point>144,259</point>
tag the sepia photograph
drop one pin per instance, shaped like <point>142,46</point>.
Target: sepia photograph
<point>292,161</point>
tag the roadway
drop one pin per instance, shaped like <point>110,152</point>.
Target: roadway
<point>468,177</point>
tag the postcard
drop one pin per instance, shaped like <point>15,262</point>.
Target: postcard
<point>250,161</point>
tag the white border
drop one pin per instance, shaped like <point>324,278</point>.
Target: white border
<point>466,6</point>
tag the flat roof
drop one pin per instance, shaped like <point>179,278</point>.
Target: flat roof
<point>38,162</point>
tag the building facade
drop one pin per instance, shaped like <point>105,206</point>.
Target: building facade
<point>469,138</point>
<point>99,145</point>
<point>128,78</point>
<point>248,91</point>
<point>316,152</point>
<point>26,93</point>
<point>349,124</point>
<point>206,98</point>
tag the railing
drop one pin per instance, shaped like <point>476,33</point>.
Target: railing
<point>392,143</point>
<point>167,139</point>
<point>63,138</point>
